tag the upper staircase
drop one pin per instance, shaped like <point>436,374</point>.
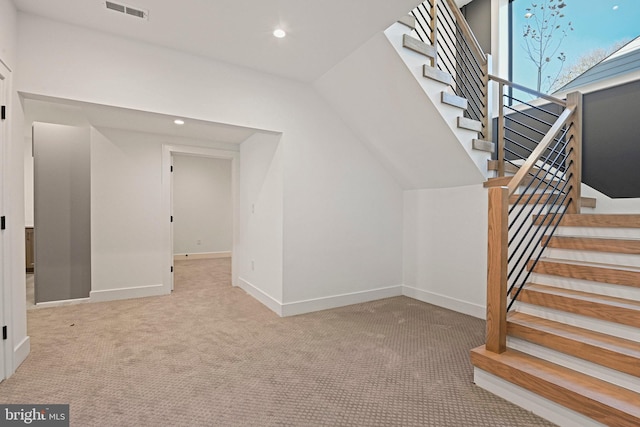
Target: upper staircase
<point>563,282</point>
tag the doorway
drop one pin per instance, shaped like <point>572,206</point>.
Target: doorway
<point>188,243</point>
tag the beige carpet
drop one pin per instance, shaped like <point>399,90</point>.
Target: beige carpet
<point>209,355</point>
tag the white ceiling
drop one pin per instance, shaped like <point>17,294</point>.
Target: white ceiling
<point>319,33</point>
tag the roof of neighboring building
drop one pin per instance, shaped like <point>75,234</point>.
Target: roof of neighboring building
<point>623,61</point>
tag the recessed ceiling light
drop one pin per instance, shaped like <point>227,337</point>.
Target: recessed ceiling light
<point>279,33</point>
<point>178,122</point>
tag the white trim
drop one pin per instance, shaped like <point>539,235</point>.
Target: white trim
<point>444,301</point>
<point>9,259</point>
<point>324,303</point>
<point>59,303</point>
<point>202,255</point>
<point>128,293</point>
<point>540,406</point>
<point>267,300</point>
<point>21,351</point>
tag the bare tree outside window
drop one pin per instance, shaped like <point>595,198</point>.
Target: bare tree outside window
<point>545,29</point>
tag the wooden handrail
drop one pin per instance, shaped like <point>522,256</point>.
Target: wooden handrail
<point>528,90</point>
<point>529,164</point>
<point>467,32</point>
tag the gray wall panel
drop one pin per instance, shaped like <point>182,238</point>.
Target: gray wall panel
<point>62,212</point>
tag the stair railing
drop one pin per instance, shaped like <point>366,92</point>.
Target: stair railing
<point>540,141</point>
<point>543,147</point>
<point>441,24</point>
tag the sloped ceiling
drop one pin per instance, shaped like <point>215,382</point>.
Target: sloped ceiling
<point>319,33</point>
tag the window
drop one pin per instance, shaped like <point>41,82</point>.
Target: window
<point>555,41</point>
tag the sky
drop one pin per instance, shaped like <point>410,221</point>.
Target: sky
<point>596,23</point>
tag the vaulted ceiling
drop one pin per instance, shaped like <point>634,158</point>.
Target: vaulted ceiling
<point>319,33</point>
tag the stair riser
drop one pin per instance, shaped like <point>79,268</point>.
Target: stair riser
<point>607,289</point>
<point>619,233</point>
<point>612,259</point>
<point>604,327</point>
<point>532,402</point>
<point>596,274</point>
<point>607,313</point>
<point>601,372</point>
<point>563,396</point>
<point>590,244</point>
<point>603,220</point>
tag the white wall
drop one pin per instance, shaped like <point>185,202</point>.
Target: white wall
<point>8,31</point>
<point>14,298</point>
<point>202,205</point>
<point>445,246</point>
<point>342,209</point>
<point>126,203</point>
<point>607,205</point>
<point>260,247</point>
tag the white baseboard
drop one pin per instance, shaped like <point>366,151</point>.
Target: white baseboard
<point>540,406</point>
<point>202,255</point>
<point>271,303</point>
<point>324,303</point>
<point>59,303</point>
<point>128,293</point>
<point>444,301</point>
<point>20,352</point>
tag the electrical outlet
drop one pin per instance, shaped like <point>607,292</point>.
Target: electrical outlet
<point>253,265</point>
<point>198,242</point>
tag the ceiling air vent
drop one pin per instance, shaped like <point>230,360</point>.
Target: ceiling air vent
<point>128,10</point>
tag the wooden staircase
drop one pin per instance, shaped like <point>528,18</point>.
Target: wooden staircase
<point>565,341</point>
<point>447,96</point>
<point>573,336</point>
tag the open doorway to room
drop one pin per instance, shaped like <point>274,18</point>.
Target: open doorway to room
<point>202,212</point>
<point>202,202</point>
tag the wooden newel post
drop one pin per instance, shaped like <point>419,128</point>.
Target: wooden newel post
<point>497,253</point>
<point>574,160</point>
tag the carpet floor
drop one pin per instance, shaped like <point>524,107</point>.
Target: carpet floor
<point>210,355</point>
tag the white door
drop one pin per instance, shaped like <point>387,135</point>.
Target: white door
<point>4,135</point>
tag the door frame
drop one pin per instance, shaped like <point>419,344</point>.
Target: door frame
<point>6,350</point>
<point>168,151</point>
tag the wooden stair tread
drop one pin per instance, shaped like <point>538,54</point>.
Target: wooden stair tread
<point>503,181</point>
<point>469,124</point>
<point>437,75</point>
<point>453,100</point>
<point>543,197</point>
<point>418,46</point>
<point>603,307</point>
<point>597,399</point>
<point>493,165</point>
<point>606,350</point>
<point>598,244</point>
<point>603,273</point>
<point>482,145</point>
<point>596,220</point>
